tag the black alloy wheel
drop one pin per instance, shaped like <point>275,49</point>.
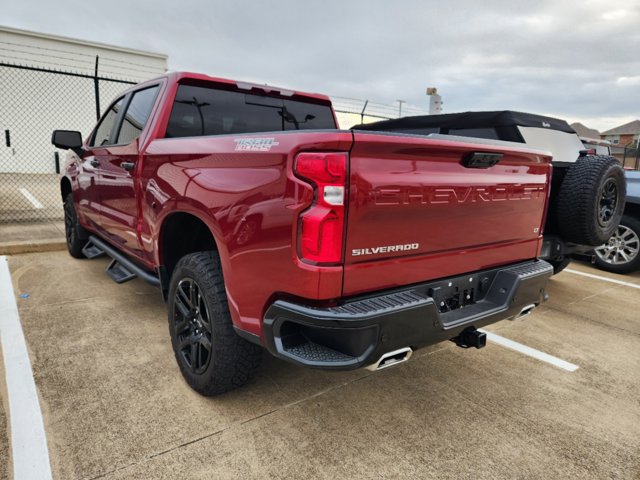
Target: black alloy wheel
<point>192,326</point>
<point>608,202</point>
<point>75,235</point>
<point>69,226</point>
<point>212,357</point>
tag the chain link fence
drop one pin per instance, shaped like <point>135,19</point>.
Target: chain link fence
<point>36,101</point>
<point>351,111</point>
<point>33,103</point>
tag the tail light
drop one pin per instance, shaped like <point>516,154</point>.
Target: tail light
<point>321,226</point>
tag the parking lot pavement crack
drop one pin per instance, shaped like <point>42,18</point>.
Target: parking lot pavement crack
<point>262,415</point>
<point>607,290</point>
<point>592,295</point>
<point>122,467</point>
<point>234,425</point>
<point>603,324</point>
<point>222,430</point>
<point>26,308</point>
<point>250,420</point>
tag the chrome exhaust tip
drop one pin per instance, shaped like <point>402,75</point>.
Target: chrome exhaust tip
<point>525,311</point>
<point>390,359</point>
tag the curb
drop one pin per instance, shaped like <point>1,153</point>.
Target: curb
<point>17,248</point>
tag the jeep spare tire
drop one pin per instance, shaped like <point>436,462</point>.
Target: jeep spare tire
<point>591,200</point>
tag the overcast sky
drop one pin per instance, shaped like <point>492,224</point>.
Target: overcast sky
<point>578,60</point>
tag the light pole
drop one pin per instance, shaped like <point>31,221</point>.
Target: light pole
<point>400,102</point>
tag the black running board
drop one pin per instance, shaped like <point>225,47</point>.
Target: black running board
<point>119,273</point>
<point>91,251</point>
<point>121,269</point>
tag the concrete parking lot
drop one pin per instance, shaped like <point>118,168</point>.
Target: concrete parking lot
<point>116,407</point>
<point>26,197</point>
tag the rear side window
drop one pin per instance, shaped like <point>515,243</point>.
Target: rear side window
<point>103,132</point>
<point>137,114</point>
<point>201,111</point>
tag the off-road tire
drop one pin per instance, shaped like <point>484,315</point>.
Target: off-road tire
<point>231,360</point>
<point>632,226</point>
<point>591,200</point>
<point>75,234</point>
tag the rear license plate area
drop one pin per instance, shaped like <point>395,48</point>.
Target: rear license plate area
<point>460,292</point>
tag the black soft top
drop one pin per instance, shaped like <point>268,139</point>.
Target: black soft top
<point>503,118</point>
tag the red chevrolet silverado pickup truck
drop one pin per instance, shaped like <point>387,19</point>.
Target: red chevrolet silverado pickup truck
<point>265,226</point>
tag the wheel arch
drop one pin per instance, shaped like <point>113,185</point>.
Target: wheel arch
<point>65,187</point>
<point>180,234</point>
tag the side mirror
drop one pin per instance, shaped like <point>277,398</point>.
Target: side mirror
<point>67,139</point>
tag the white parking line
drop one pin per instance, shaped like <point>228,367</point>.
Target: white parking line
<point>34,201</point>
<point>532,352</point>
<point>28,441</point>
<point>598,277</point>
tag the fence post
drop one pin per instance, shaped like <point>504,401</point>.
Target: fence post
<point>71,88</point>
<point>96,85</point>
<point>366,102</point>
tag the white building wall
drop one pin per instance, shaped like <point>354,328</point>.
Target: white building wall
<point>33,104</point>
<point>68,54</point>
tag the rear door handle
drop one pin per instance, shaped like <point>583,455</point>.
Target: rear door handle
<point>128,166</point>
<point>94,162</point>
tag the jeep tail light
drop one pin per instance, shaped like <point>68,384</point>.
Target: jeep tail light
<point>321,226</point>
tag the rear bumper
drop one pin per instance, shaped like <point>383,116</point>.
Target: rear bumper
<point>357,332</point>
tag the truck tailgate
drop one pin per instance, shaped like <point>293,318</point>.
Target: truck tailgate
<point>417,213</point>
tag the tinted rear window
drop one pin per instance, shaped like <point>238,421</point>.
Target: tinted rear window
<point>201,111</point>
